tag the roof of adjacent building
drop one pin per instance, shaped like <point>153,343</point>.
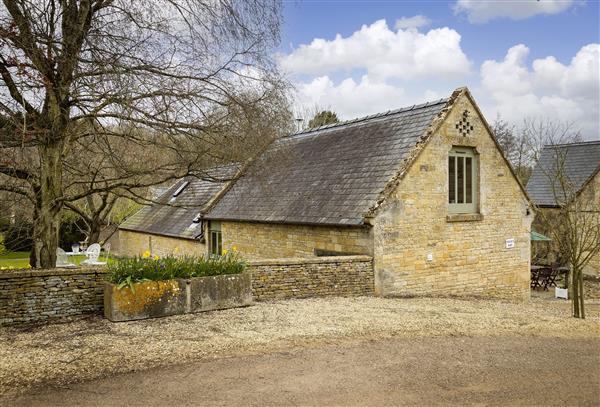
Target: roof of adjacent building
<point>334,174</point>
<point>174,215</point>
<point>580,162</point>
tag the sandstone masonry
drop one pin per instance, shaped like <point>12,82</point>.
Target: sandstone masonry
<point>422,249</point>
<point>135,243</point>
<point>268,241</point>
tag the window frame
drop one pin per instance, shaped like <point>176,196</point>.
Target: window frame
<point>215,246</point>
<point>455,154</point>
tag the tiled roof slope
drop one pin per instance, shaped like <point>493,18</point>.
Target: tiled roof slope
<point>173,216</point>
<point>330,175</point>
<point>581,161</point>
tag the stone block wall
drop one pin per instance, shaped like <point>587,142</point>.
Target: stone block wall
<point>33,296</point>
<point>315,277</point>
<point>270,241</point>
<point>135,243</point>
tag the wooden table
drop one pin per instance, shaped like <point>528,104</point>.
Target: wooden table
<point>548,275</point>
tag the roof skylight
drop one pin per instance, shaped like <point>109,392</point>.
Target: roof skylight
<point>180,189</point>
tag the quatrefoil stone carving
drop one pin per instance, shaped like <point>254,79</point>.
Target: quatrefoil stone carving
<point>464,126</point>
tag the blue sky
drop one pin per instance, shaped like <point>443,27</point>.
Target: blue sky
<point>519,58</point>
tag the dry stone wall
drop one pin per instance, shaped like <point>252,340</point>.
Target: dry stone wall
<point>38,296</point>
<point>312,277</point>
<point>33,296</point>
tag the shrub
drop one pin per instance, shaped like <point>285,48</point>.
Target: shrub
<point>2,248</point>
<point>17,237</point>
<point>129,271</point>
<point>71,231</point>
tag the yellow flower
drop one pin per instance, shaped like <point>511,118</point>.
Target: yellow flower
<point>146,254</point>
<point>234,249</point>
<point>176,250</point>
<point>156,257</point>
<point>224,252</point>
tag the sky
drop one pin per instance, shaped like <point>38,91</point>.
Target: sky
<point>520,58</point>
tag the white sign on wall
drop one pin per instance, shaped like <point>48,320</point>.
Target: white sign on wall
<point>510,243</point>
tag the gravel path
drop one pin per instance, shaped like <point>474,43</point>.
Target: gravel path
<point>93,348</point>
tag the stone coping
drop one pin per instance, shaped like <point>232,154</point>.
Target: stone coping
<point>22,273</point>
<point>310,260</point>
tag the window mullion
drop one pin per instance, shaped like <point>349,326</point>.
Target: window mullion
<point>456,180</point>
<point>465,199</point>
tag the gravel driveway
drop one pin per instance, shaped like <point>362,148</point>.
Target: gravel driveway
<point>449,371</point>
<point>86,349</point>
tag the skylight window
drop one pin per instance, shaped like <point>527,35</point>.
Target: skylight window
<point>180,189</point>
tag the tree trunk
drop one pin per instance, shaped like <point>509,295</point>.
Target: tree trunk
<point>581,296</point>
<point>575,292</point>
<point>48,207</point>
<point>94,232</point>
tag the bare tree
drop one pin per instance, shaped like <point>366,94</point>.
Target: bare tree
<point>144,87</point>
<point>523,144</point>
<point>515,146</point>
<point>574,221</point>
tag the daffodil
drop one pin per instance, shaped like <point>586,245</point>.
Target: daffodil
<point>146,254</point>
<point>156,257</point>
<point>234,249</point>
<point>224,252</point>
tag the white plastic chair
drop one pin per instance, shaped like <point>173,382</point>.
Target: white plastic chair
<point>92,253</point>
<point>62,260</point>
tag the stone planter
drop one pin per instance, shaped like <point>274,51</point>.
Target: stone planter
<point>154,299</point>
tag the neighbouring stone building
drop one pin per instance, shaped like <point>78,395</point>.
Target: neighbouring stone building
<point>424,191</point>
<point>173,224</point>
<point>565,171</point>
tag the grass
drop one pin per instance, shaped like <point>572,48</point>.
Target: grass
<point>20,260</point>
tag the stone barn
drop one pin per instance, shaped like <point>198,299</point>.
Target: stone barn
<point>424,191</point>
<point>581,169</point>
<point>173,224</point>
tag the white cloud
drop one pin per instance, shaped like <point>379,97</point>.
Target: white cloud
<point>478,11</point>
<point>383,53</point>
<point>547,89</point>
<point>417,21</point>
<point>349,98</point>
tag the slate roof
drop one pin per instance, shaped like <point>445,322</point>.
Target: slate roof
<point>174,216</point>
<point>330,175</point>
<point>581,161</point>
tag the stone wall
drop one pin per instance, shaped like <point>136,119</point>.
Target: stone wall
<point>269,241</point>
<point>317,277</point>
<point>421,249</point>
<point>135,243</point>
<point>28,296</point>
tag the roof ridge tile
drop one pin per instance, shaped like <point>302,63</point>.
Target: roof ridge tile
<point>368,117</point>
